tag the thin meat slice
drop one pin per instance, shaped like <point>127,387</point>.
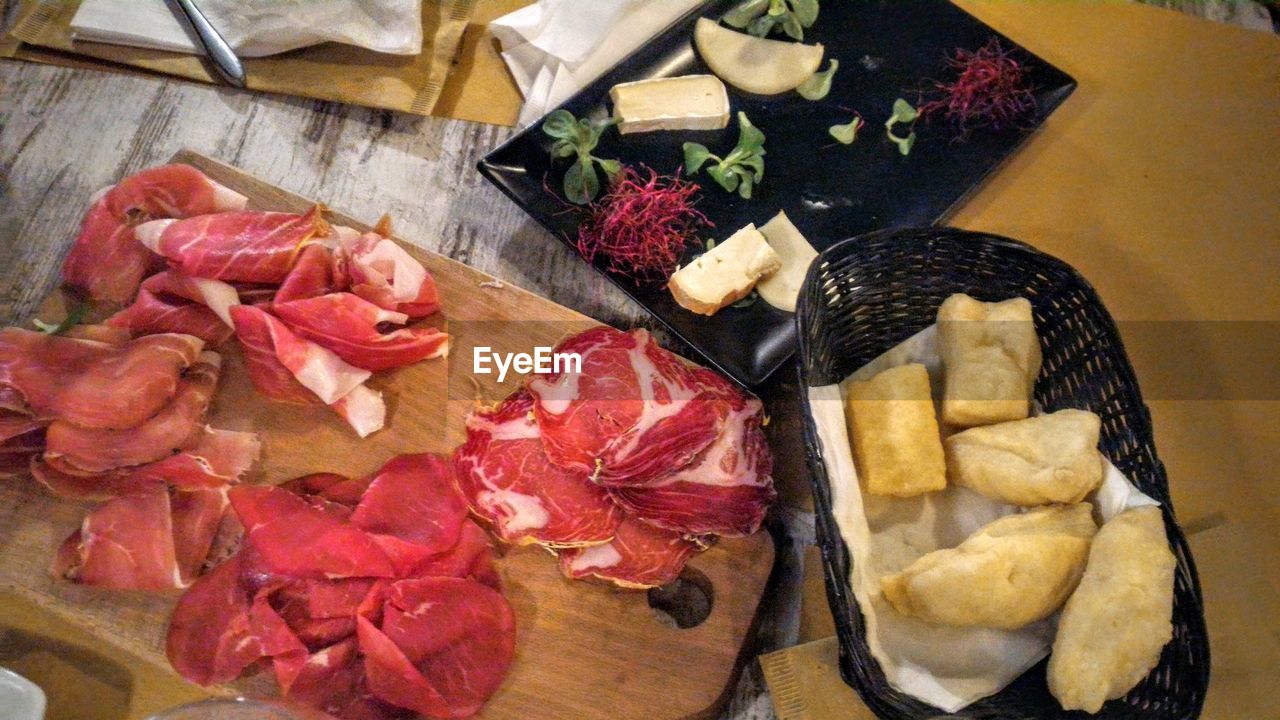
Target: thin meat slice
<point>639,556</point>
<point>144,541</point>
<point>18,452</point>
<point>209,640</point>
<point>377,269</point>
<point>94,384</point>
<point>311,276</point>
<point>106,260</point>
<point>633,413</point>
<point>509,483</point>
<point>413,498</point>
<point>99,332</point>
<point>255,247</point>
<point>363,409</point>
<point>319,370</point>
<point>348,325</point>
<point>725,490</point>
<point>443,647</point>
<point>216,295</point>
<point>218,458</point>
<point>14,424</point>
<point>150,314</point>
<point>168,432</point>
<point>290,537</point>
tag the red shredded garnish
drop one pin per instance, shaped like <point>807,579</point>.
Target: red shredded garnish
<point>641,226</point>
<point>990,90</point>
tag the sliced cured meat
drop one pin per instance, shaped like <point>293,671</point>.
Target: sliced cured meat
<point>377,269</point>
<point>311,276</point>
<point>331,487</point>
<point>99,333</point>
<point>150,314</point>
<point>18,452</point>
<point>639,556</point>
<point>216,295</point>
<point>243,246</point>
<point>635,411</point>
<point>725,490</point>
<point>209,640</point>
<point>14,424</point>
<point>144,541</point>
<point>317,369</point>
<point>363,409</point>
<point>218,458</point>
<point>106,260</point>
<point>413,498</point>
<point>471,557</point>
<point>348,325</point>
<point>290,537</point>
<point>443,647</point>
<point>169,431</point>
<point>509,483</point>
<point>94,384</point>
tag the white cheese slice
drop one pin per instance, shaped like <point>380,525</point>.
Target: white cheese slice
<point>689,102</point>
<point>724,274</point>
<point>781,287</point>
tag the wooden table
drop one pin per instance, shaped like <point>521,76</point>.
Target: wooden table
<point>1158,180</point>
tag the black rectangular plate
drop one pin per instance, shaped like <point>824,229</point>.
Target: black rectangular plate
<point>886,49</point>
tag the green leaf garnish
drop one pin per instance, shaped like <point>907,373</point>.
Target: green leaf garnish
<point>819,84</point>
<point>72,319</point>
<point>762,17</point>
<point>846,134</point>
<point>902,113</point>
<point>579,137</point>
<point>747,301</point>
<point>741,169</point>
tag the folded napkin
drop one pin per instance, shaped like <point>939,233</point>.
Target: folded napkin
<point>556,47</point>
<point>255,28</point>
<point>948,667</point>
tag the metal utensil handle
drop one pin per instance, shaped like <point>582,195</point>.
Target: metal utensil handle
<point>223,57</point>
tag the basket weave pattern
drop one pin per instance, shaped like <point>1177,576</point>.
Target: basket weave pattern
<point>866,295</point>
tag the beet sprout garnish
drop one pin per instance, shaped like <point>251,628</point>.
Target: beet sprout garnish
<point>990,90</point>
<point>641,225</point>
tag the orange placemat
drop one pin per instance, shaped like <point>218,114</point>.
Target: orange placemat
<point>340,73</point>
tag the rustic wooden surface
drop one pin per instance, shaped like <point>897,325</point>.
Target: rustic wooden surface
<point>581,646</point>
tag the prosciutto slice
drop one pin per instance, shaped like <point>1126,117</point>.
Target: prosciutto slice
<point>726,489</point>
<point>312,275</point>
<point>94,384</point>
<point>150,540</point>
<point>348,325</point>
<point>377,269</point>
<point>218,458</point>
<point>290,368</point>
<point>510,484</point>
<point>639,556</point>
<point>172,302</point>
<point>169,431</point>
<point>635,412</point>
<point>255,247</point>
<point>18,452</point>
<point>106,260</point>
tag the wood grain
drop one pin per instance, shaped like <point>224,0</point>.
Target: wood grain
<point>581,647</point>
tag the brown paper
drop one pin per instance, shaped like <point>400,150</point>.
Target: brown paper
<point>805,684</point>
<point>339,73</point>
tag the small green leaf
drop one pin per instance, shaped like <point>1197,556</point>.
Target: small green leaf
<point>819,84</point>
<point>747,301</point>
<point>902,112</point>
<point>805,11</point>
<point>742,14</point>
<point>711,243</point>
<point>725,176</point>
<point>695,154</point>
<point>904,144</point>
<point>72,319</point>
<point>563,148</point>
<point>581,183</point>
<point>756,164</point>
<point>792,28</point>
<point>761,26</point>
<point>846,134</point>
<point>778,8</point>
<point>749,136</point>
<point>611,168</point>
<point>560,124</point>
<point>744,188</point>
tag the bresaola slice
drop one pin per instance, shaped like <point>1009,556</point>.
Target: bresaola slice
<point>639,556</point>
<point>510,484</point>
<point>632,414</point>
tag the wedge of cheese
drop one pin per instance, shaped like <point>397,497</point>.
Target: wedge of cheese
<point>689,102</point>
<point>724,274</point>
<point>781,288</point>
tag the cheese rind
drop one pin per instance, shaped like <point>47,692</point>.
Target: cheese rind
<point>781,288</point>
<point>724,274</point>
<point>689,102</point>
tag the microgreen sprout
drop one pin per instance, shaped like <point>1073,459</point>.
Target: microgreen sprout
<point>761,17</point>
<point>741,169</point>
<point>902,113</point>
<point>574,137</point>
<point>819,84</point>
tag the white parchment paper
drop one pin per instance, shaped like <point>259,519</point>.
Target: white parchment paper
<point>948,667</point>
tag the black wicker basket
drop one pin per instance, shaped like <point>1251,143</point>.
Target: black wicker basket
<point>866,295</point>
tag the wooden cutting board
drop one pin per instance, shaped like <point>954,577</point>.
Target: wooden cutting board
<point>582,650</point>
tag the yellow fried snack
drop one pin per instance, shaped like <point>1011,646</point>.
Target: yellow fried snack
<point>991,357</point>
<point>1115,624</point>
<point>895,433</point>
<point>1013,571</point>
<point>1041,460</point>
